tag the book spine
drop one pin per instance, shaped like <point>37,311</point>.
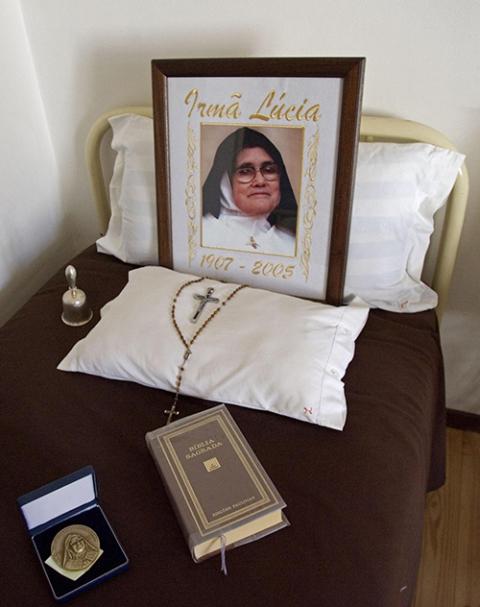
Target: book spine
<point>180,509</point>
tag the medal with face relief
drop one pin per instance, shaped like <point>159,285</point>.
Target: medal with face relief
<point>75,548</point>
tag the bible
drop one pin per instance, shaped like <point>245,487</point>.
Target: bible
<point>219,491</point>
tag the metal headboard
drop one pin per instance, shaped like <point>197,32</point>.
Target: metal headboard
<point>372,128</point>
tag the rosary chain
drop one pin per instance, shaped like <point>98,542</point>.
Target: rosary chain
<point>189,344</point>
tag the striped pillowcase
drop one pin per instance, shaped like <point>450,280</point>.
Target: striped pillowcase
<point>398,189</point>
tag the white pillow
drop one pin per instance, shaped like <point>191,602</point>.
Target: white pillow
<point>399,187</point>
<point>263,350</point>
<point>132,231</point>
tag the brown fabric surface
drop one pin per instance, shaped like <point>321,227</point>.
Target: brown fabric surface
<point>355,498</point>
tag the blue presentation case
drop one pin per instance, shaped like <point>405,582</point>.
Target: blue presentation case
<point>71,500</point>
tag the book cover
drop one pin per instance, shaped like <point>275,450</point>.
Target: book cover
<point>215,482</point>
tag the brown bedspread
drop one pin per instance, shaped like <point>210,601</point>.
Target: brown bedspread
<point>355,498</point>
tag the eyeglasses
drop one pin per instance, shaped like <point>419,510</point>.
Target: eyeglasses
<point>245,174</point>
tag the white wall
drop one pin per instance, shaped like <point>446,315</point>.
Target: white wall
<point>422,63</point>
<point>32,218</point>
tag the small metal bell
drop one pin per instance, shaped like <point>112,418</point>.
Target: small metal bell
<point>75,309</point>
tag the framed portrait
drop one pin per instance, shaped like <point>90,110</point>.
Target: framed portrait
<point>255,162</point>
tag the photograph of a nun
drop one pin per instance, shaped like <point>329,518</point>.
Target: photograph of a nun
<point>248,200</point>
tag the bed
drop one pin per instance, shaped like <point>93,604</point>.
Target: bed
<point>355,498</point>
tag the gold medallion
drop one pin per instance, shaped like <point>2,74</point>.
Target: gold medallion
<point>75,548</point>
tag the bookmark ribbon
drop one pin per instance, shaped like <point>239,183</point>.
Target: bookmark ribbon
<point>223,557</point>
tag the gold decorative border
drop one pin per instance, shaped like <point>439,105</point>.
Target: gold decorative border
<point>311,202</point>
<point>191,194</point>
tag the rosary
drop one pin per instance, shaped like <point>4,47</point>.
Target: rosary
<point>204,299</point>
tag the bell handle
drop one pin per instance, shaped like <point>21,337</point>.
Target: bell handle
<point>71,276</point>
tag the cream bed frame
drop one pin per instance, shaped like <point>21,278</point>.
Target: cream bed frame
<point>443,249</point>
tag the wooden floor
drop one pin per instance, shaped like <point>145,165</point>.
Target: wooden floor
<point>450,568</point>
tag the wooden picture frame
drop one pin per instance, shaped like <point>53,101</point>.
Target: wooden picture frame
<point>309,111</point>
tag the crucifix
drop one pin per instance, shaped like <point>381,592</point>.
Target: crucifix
<point>171,412</point>
<point>203,299</point>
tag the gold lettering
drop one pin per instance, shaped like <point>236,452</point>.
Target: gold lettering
<point>202,447</point>
<point>288,113</point>
<point>201,108</point>
<point>313,113</point>
<point>247,500</point>
<point>272,108</point>
<point>278,110</point>
<point>222,511</point>
<point>212,110</point>
<point>215,110</point>
<point>277,270</point>
<point>193,93</point>
<point>266,102</point>
<point>233,110</point>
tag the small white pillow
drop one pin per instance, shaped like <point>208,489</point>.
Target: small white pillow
<point>399,187</point>
<point>263,350</point>
<point>132,231</point>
